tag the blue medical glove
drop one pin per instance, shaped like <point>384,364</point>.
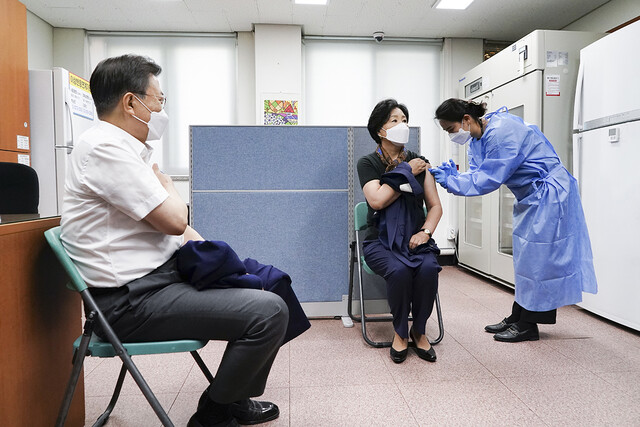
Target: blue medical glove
<point>440,176</point>
<point>454,168</point>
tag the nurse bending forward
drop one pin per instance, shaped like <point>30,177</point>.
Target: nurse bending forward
<point>552,256</point>
<point>398,244</point>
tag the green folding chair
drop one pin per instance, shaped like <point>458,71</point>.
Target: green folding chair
<point>89,344</point>
<point>360,224</point>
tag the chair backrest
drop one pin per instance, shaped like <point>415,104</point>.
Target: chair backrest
<point>19,190</point>
<point>53,238</point>
<point>360,216</point>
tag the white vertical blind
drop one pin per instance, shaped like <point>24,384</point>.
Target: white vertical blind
<point>345,79</point>
<point>198,78</point>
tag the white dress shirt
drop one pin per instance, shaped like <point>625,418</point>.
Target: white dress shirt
<point>109,187</point>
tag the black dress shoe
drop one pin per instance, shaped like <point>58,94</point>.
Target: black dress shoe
<point>249,412</point>
<point>428,355</point>
<point>514,334</point>
<point>398,356</point>
<point>498,327</point>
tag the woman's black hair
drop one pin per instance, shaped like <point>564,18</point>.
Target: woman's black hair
<point>113,77</point>
<point>380,115</point>
<point>452,110</point>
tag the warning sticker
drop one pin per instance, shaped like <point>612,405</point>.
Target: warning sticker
<point>552,85</point>
<point>80,99</point>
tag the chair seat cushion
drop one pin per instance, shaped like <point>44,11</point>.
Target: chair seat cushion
<point>100,348</point>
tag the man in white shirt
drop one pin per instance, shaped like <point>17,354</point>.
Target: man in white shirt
<point>122,223</point>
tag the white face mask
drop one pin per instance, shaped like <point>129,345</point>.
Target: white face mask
<point>157,122</point>
<point>462,136</point>
<point>399,134</point>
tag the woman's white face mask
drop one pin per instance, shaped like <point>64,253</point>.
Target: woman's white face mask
<point>399,134</point>
<point>462,136</point>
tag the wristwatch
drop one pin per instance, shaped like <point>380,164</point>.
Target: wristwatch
<point>426,230</point>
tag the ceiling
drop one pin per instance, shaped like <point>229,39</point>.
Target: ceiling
<point>489,19</point>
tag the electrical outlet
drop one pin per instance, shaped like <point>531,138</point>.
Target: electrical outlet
<point>452,234</point>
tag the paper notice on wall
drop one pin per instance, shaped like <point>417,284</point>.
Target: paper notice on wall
<point>25,159</point>
<point>552,58</point>
<point>552,85</point>
<point>563,59</point>
<point>80,99</point>
<point>22,142</point>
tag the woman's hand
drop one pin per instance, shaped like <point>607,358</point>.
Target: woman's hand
<point>418,166</point>
<point>418,239</point>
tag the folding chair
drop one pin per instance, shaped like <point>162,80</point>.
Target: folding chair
<point>90,345</point>
<point>360,222</point>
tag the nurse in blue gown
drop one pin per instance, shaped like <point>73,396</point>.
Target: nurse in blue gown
<point>552,256</point>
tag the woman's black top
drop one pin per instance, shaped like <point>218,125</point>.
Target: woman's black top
<point>370,167</point>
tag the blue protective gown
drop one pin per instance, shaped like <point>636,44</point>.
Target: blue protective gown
<point>552,256</point>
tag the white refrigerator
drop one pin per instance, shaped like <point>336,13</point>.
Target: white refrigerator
<point>606,149</point>
<point>535,79</point>
<point>61,109</point>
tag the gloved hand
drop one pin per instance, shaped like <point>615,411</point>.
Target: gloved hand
<point>454,168</point>
<point>449,167</point>
<point>440,176</point>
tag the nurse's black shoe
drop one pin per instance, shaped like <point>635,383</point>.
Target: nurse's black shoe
<point>517,333</point>
<point>498,327</point>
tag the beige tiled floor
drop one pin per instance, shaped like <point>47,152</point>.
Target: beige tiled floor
<point>583,371</point>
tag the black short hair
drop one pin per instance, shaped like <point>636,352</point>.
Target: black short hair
<point>453,109</point>
<point>380,115</point>
<point>113,77</point>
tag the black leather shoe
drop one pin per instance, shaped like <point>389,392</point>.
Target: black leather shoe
<point>249,412</point>
<point>398,356</point>
<point>428,355</point>
<point>194,421</point>
<point>498,327</point>
<point>514,334</point>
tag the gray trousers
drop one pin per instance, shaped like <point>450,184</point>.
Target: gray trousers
<point>159,306</point>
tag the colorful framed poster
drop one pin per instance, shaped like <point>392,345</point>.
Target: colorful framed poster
<point>278,112</point>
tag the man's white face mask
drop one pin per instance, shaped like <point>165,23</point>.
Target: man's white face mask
<point>399,134</point>
<point>157,122</point>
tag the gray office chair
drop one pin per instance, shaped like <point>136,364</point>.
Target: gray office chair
<point>360,222</point>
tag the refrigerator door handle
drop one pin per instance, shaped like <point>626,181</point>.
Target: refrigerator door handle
<point>577,104</point>
<point>69,143</point>
<point>577,161</point>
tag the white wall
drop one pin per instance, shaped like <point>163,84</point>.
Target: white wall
<point>607,16</point>
<point>39,43</point>
<point>278,64</point>
<point>246,79</point>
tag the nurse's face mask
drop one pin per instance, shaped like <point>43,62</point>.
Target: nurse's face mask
<point>462,136</point>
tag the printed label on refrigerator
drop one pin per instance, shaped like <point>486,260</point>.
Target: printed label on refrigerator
<point>22,142</point>
<point>552,85</point>
<point>80,99</point>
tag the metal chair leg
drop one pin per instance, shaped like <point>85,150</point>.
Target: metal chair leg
<point>78,361</point>
<point>126,360</point>
<point>203,367</point>
<point>112,403</point>
<point>440,323</point>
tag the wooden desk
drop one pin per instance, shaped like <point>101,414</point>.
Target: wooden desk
<point>39,320</point>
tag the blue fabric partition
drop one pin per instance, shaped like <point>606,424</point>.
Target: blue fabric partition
<point>284,196</point>
<point>279,195</point>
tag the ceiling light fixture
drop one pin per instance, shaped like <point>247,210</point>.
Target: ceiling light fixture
<point>452,4</point>
<point>320,2</point>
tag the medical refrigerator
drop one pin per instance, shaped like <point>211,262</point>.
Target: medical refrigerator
<point>606,152</point>
<point>535,79</point>
<point>61,109</point>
